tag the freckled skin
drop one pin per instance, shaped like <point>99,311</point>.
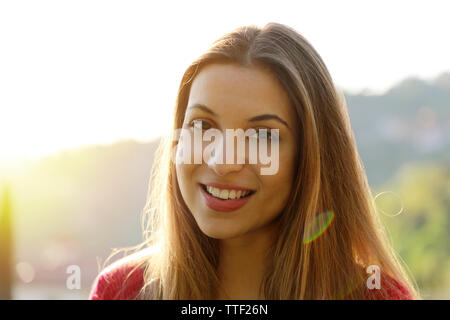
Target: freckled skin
<point>235,94</point>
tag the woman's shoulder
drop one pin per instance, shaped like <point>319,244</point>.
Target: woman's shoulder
<point>122,280</point>
<point>390,289</point>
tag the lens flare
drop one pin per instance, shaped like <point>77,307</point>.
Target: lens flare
<point>393,200</point>
<point>317,226</point>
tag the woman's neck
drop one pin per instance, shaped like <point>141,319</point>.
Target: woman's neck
<point>243,262</point>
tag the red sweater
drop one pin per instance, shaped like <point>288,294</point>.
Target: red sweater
<point>120,282</point>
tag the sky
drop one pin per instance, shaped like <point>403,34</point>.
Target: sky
<point>76,73</point>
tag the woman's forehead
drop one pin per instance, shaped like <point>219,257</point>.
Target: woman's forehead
<point>242,91</point>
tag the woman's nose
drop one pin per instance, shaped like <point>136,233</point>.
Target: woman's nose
<point>225,158</point>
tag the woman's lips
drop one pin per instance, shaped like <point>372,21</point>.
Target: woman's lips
<point>221,204</point>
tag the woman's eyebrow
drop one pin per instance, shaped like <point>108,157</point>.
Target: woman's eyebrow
<point>268,117</point>
<point>202,107</point>
<point>253,119</point>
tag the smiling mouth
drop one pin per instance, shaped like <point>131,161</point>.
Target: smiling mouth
<point>227,194</point>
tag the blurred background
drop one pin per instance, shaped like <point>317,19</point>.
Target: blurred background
<point>87,89</point>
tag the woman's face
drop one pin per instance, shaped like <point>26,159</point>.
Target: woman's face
<point>235,97</point>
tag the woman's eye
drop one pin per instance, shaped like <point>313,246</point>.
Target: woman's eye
<point>199,124</point>
<point>264,133</point>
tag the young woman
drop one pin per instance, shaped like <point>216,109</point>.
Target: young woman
<point>224,230</point>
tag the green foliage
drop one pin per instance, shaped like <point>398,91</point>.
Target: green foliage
<point>420,233</point>
<point>406,124</point>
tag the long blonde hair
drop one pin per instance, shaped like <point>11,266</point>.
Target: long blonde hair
<point>329,177</point>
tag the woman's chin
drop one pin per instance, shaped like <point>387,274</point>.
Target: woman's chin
<point>219,232</point>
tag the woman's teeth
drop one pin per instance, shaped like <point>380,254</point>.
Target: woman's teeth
<point>226,194</point>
